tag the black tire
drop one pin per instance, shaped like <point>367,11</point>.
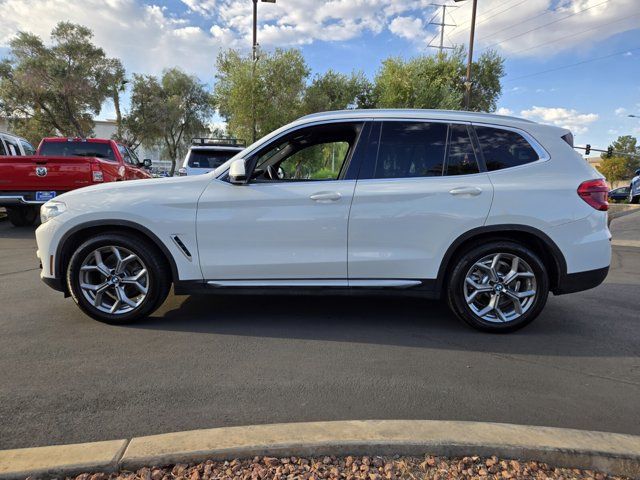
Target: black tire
<point>159,280</point>
<point>635,199</point>
<point>22,216</point>
<point>458,275</point>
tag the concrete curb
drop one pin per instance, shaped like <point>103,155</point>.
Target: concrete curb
<point>607,452</point>
<point>60,460</point>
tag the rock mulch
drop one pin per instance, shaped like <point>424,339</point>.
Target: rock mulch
<point>354,468</point>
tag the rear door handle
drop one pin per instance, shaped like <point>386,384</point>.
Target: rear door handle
<point>325,197</point>
<point>473,191</point>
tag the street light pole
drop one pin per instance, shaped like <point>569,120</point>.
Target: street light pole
<point>254,60</point>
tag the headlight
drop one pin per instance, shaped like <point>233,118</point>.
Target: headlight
<point>51,209</point>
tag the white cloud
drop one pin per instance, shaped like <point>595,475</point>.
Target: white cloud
<point>407,27</point>
<point>620,111</point>
<point>504,111</point>
<point>544,27</point>
<point>145,37</point>
<point>575,121</point>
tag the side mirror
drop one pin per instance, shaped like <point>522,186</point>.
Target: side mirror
<point>638,172</point>
<point>146,163</point>
<point>237,172</point>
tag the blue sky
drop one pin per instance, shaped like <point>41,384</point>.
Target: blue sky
<point>593,98</point>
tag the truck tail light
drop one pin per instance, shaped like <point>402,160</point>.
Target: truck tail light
<point>595,193</point>
<point>96,173</point>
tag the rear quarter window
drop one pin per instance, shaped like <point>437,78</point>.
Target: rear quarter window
<point>504,148</point>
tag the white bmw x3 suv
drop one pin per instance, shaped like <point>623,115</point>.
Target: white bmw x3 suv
<point>489,212</point>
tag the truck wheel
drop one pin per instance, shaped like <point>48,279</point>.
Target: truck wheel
<point>498,287</point>
<point>118,278</point>
<point>22,216</point>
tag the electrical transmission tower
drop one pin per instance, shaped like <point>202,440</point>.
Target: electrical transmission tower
<point>442,24</point>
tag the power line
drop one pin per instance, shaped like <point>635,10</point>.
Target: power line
<point>627,17</point>
<point>488,11</point>
<point>562,67</point>
<point>546,24</point>
<point>508,27</point>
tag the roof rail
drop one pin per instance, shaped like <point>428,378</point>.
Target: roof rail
<point>219,141</point>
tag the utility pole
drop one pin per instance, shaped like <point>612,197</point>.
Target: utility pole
<point>470,60</point>
<point>442,25</point>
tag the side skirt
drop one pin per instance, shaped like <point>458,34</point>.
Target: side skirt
<point>355,287</point>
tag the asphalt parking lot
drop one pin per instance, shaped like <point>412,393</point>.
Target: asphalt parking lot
<point>202,362</point>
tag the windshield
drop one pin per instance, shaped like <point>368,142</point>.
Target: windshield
<point>78,149</point>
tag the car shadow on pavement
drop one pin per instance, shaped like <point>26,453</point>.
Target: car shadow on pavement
<point>398,321</point>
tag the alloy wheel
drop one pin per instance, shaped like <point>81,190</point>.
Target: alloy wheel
<point>114,280</point>
<point>500,287</point>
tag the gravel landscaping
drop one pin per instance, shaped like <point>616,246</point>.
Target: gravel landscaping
<point>353,468</point>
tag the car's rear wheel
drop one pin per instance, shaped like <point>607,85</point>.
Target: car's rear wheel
<point>633,199</point>
<point>118,278</point>
<point>498,287</point>
<point>22,216</point>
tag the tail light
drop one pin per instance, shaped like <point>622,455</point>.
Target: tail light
<point>96,173</point>
<point>595,193</point>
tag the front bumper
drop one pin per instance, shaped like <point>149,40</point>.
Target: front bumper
<point>55,283</point>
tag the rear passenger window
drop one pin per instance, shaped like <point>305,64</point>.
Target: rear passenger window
<point>411,149</point>
<point>461,158</point>
<point>504,148</point>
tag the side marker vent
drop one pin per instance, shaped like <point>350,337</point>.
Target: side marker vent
<point>181,246</point>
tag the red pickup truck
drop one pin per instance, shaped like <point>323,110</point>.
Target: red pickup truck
<point>60,165</point>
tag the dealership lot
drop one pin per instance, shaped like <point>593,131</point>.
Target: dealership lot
<point>204,361</point>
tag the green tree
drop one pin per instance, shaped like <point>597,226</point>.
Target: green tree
<point>58,87</point>
<point>336,91</point>
<point>167,111</point>
<point>142,125</point>
<point>275,84</point>
<point>624,163</point>
<point>614,169</point>
<point>438,82</point>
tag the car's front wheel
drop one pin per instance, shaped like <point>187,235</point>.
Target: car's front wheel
<point>498,287</point>
<point>118,278</point>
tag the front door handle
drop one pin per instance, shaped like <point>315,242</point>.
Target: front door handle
<point>326,197</point>
<point>472,191</point>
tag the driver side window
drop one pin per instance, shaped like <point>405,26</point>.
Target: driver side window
<point>310,154</point>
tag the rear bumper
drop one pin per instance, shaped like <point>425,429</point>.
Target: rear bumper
<point>579,281</point>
